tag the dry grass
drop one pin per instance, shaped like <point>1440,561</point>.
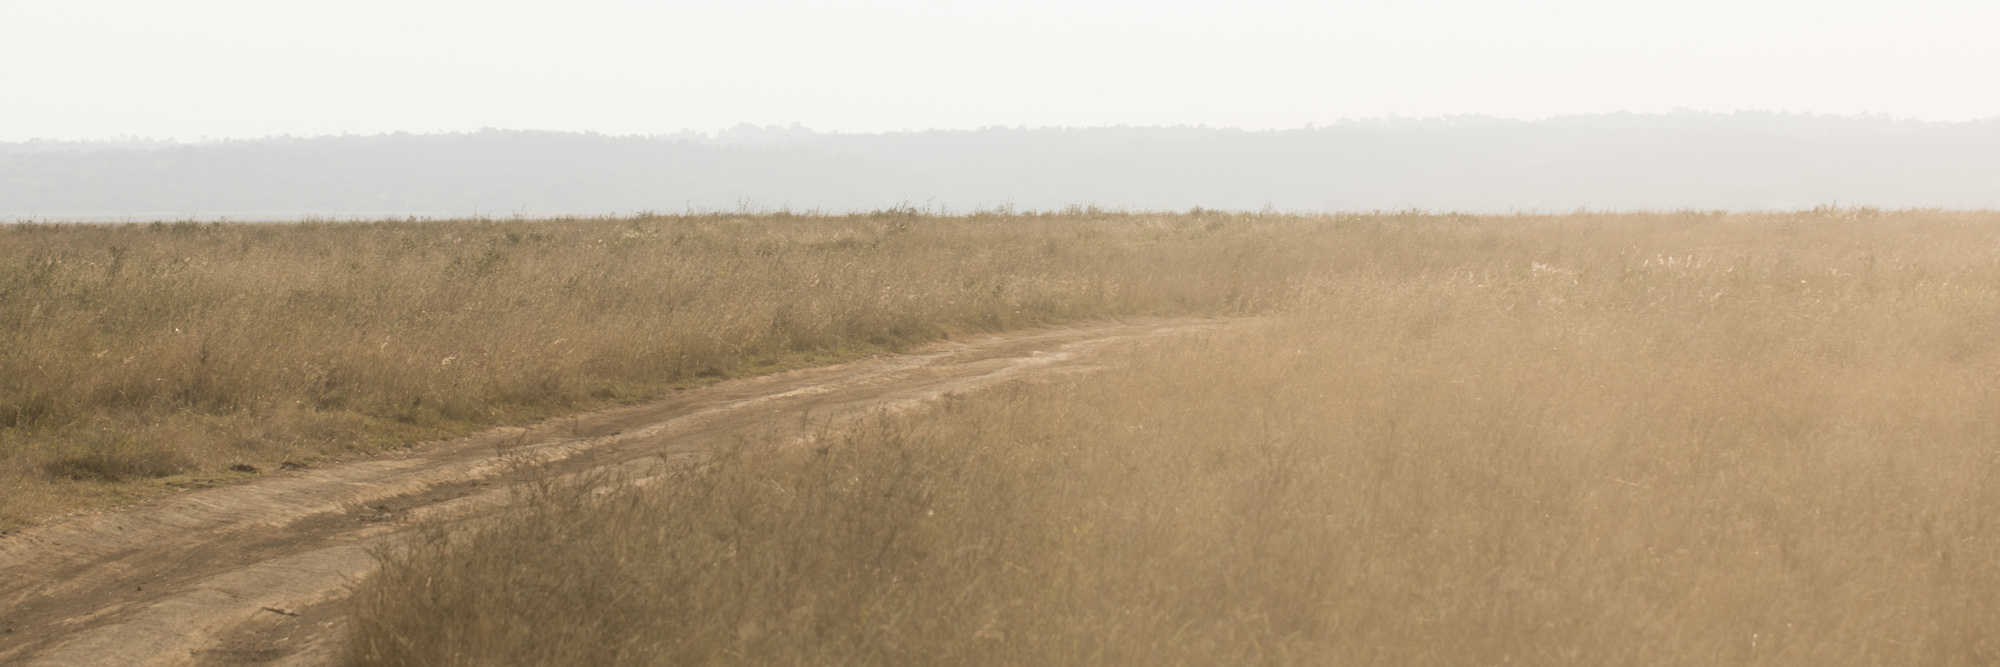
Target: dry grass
<point>1576,440</point>
<point>135,357</point>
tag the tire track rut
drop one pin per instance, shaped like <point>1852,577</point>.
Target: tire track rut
<point>254,573</point>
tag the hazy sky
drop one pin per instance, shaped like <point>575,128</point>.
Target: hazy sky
<point>191,68</point>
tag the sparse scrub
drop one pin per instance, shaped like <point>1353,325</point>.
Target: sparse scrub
<point>1585,440</point>
<point>134,352</point>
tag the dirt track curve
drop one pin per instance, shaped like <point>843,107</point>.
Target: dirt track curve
<point>253,573</point>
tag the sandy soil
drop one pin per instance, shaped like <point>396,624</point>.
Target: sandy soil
<point>255,573</point>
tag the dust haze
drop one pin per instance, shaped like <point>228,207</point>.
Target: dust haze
<point>1440,332</point>
<point>1073,438</point>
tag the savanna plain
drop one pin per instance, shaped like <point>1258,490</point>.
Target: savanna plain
<point>1662,438</point>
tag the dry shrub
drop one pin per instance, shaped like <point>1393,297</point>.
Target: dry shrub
<point>1599,440</point>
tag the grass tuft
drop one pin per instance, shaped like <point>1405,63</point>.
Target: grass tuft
<point>115,459</point>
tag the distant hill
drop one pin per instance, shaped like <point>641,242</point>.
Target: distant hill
<point>1749,160</point>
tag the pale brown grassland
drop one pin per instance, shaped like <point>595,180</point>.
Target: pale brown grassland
<point>141,357</point>
<point>1582,440</point>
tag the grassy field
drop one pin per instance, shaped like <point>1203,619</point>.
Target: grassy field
<point>137,358</point>
<point>1587,440</point>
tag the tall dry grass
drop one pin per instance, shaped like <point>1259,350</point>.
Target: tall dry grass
<point>133,354</point>
<point>1578,440</point>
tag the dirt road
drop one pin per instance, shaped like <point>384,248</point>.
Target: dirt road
<point>254,573</point>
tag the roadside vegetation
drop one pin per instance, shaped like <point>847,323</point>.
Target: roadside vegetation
<point>1592,439</point>
<point>136,358</point>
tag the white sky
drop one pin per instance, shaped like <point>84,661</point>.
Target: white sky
<point>73,69</point>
